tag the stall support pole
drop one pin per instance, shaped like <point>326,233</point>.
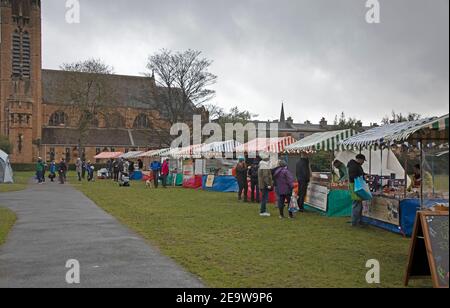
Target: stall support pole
<point>381,171</point>
<point>421,174</point>
<point>406,172</point>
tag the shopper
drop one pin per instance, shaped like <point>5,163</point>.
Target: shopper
<point>254,186</point>
<point>241,177</point>
<point>62,171</point>
<point>155,167</point>
<point>79,168</point>
<point>355,171</point>
<point>265,183</point>
<point>285,186</point>
<point>40,170</point>
<point>165,172</point>
<point>303,173</point>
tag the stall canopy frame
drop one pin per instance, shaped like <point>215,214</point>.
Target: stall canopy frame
<point>131,155</point>
<point>425,130</point>
<point>326,141</point>
<point>267,145</point>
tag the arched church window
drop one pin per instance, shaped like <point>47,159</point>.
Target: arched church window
<point>115,120</point>
<point>21,54</point>
<point>59,118</point>
<point>16,40</point>
<point>142,122</point>
<point>26,62</point>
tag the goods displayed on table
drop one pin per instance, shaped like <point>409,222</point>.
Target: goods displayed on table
<point>321,179</point>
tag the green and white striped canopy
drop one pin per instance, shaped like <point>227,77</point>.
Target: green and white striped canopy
<point>425,130</point>
<point>326,141</point>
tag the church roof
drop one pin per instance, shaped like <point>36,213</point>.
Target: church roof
<point>129,91</point>
<point>98,137</point>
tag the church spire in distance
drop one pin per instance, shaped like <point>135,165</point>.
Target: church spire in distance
<point>282,116</point>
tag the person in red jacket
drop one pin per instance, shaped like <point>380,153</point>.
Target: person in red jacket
<point>165,172</point>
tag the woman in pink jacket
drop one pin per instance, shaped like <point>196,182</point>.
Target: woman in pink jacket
<point>165,172</point>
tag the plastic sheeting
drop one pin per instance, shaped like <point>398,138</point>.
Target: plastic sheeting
<point>6,172</point>
<point>193,182</point>
<point>222,184</point>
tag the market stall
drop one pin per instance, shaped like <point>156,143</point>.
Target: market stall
<point>326,193</point>
<point>219,164</point>
<point>189,161</point>
<point>272,146</point>
<point>396,201</point>
<point>175,177</point>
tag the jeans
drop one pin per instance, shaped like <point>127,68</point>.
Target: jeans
<point>39,176</point>
<point>357,213</point>
<point>79,176</point>
<point>164,180</point>
<point>243,189</point>
<point>264,200</point>
<point>255,190</point>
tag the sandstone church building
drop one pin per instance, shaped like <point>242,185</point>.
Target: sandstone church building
<point>38,123</point>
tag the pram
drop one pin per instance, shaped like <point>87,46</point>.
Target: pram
<point>124,180</point>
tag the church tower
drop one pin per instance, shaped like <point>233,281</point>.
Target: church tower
<point>20,77</point>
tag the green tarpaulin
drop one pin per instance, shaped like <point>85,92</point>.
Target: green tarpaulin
<point>339,204</point>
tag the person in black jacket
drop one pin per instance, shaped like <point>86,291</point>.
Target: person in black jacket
<point>253,175</point>
<point>303,172</point>
<point>355,171</point>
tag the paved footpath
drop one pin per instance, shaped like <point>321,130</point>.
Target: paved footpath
<point>57,223</point>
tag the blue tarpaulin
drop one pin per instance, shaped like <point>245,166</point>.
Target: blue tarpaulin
<point>222,184</point>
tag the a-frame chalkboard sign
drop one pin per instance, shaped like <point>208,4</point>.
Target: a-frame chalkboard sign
<point>428,254</point>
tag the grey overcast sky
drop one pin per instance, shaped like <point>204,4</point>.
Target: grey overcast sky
<point>320,57</point>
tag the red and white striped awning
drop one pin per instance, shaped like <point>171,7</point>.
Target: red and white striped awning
<point>267,145</point>
<point>192,151</point>
<point>108,155</point>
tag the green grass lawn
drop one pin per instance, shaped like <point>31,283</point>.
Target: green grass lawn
<point>227,244</point>
<point>7,219</point>
<point>21,180</point>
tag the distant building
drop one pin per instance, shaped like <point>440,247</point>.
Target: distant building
<point>298,131</point>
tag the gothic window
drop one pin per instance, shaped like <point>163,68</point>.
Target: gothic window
<point>52,154</point>
<point>26,62</point>
<point>115,120</point>
<point>94,122</point>
<point>21,54</point>
<point>59,118</point>
<point>68,156</point>
<point>16,69</point>
<point>141,122</point>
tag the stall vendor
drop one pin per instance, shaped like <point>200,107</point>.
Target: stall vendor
<point>427,181</point>
<point>343,171</point>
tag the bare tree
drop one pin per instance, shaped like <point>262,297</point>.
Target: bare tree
<point>88,92</point>
<point>399,117</point>
<point>184,80</point>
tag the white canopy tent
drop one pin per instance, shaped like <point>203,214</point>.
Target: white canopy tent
<point>6,173</point>
<point>385,163</point>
